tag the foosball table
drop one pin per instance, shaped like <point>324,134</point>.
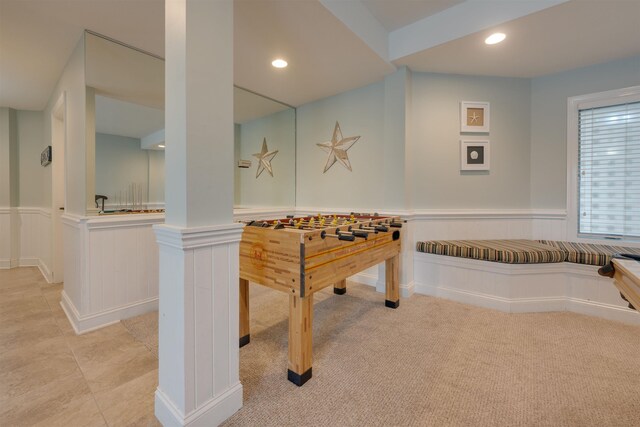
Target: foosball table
<point>303,255</point>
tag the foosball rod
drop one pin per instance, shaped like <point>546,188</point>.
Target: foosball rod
<point>356,233</point>
<point>376,229</point>
<point>347,237</point>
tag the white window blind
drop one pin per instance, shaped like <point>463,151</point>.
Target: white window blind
<point>609,171</point>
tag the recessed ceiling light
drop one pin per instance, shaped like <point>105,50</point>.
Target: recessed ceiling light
<point>495,38</point>
<point>279,63</point>
<point>160,145</point>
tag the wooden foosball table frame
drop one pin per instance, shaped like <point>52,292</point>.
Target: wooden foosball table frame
<point>625,271</point>
<point>301,256</point>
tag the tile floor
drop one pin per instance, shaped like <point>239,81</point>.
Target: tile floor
<point>49,376</point>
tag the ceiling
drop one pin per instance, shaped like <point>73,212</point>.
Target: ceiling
<point>134,120</point>
<point>331,45</point>
<point>113,117</point>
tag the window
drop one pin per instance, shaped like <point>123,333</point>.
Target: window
<point>604,179</point>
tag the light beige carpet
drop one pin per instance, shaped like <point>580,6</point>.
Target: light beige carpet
<point>438,363</point>
<point>145,330</point>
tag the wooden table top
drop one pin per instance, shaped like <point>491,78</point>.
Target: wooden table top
<point>629,267</point>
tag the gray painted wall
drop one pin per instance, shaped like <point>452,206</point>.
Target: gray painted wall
<point>423,110</point>
<point>35,182</point>
<point>9,184</point>
<point>549,122</point>
<point>120,162</point>
<point>236,169</point>
<point>279,190</point>
<point>435,137</point>
<point>156,176</point>
<point>359,112</point>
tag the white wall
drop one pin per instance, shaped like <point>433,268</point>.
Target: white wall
<point>72,83</point>
<point>280,131</point>
<point>549,122</point>
<point>435,109</point>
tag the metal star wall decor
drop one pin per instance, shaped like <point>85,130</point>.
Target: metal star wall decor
<point>337,148</point>
<point>264,159</point>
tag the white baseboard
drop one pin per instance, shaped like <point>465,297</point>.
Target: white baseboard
<point>515,288</point>
<point>406,290</point>
<point>45,271</point>
<point>84,324</point>
<point>509,305</point>
<point>606,311</point>
<point>212,413</point>
<point>365,278</point>
<point>28,262</point>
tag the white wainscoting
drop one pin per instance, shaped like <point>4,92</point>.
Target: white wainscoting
<point>35,239</point>
<point>198,370</point>
<point>26,239</point>
<point>506,287</point>
<point>112,275</point>
<point>452,224</point>
<point>520,288</point>
<point>111,268</point>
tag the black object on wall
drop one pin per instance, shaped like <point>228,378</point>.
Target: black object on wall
<point>45,156</point>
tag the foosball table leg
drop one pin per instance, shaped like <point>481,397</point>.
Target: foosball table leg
<point>392,294</point>
<point>245,336</point>
<point>340,287</point>
<point>300,339</point>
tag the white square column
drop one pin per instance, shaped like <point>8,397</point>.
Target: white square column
<point>199,243</point>
<point>199,381</point>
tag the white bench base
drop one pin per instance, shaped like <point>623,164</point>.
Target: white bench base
<point>522,288</point>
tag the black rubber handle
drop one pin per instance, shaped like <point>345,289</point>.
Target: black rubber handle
<point>382,228</point>
<point>360,233</point>
<point>606,270</point>
<point>347,237</point>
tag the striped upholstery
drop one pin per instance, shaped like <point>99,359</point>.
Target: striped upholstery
<point>505,251</point>
<point>589,253</point>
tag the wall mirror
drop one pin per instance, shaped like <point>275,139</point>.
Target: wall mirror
<point>125,101</point>
<point>265,151</point>
<point>125,95</point>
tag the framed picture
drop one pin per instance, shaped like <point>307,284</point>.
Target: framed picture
<point>474,116</point>
<point>474,154</point>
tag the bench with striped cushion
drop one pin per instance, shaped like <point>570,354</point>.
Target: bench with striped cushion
<point>505,251</point>
<point>526,251</point>
<point>589,253</point>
